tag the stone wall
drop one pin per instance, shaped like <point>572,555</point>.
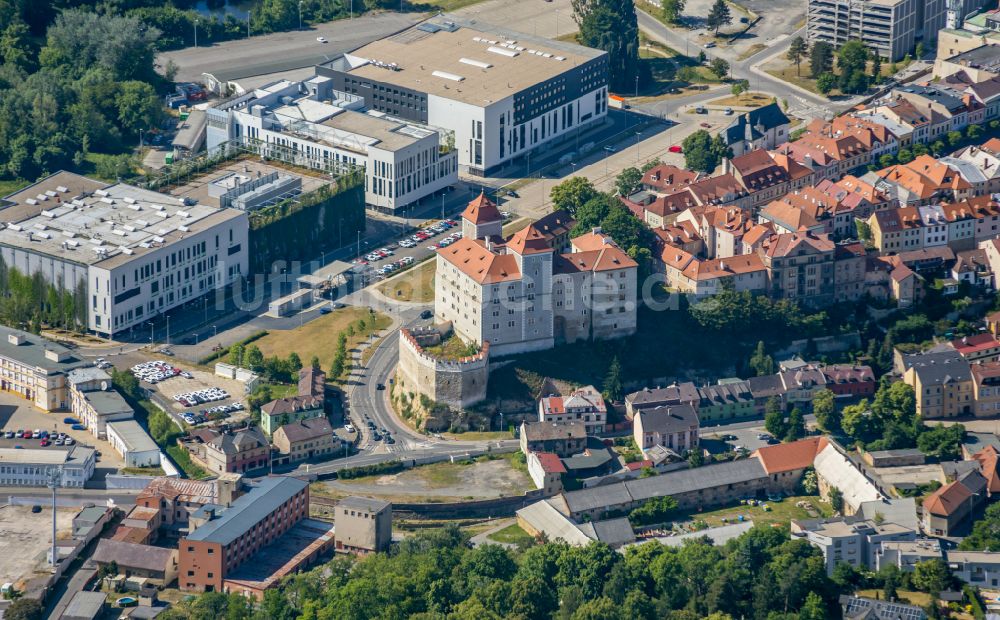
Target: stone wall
<point>456,383</point>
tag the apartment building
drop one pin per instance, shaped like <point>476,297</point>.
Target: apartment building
<point>888,26</point>
<point>503,94</point>
<point>312,125</point>
<point>226,538</point>
<point>800,267</point>
<point>306,439</point>
<point>176,498</point>
<point>132,253</point>
<point>855,541</point>
<point>561,438</point>
<point>36,369</point>
<point>232,451</point>
<point>519,295</point>
<point>309,403</point>
<point>950,510</point>
<point>95,402</point>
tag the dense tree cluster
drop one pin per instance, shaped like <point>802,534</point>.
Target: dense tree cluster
<point>612,26</point>
<point>28,302</point>
<point>704,153</point>
<point>761,575</point>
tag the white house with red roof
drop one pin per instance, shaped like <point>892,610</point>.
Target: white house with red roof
<point>583,404</point>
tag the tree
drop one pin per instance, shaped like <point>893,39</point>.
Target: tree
<point>138,106</point>
<point>931,576</point>
<point>740,87</point>
<point>236,354</point>
<point>825,83</point>
<point>797,52</point>
<point>612,26</point>
<point>628,181</point>
<point>253,358</point>
<point>820,58</point>
<point>761,363</point>
<point>796,425</point>
<point>80,40</point>
<point>814,608</point>
<point>672,10</point>
<point>16,47</point>
<point>774,422</point>
<point>974,132</point>
<point>314,362</point>
<point>876,67</point>
<point>836,499</point>
<point>294,362</point>
<point>699,152</point>
<point>825,410</point>
<point>613,381</point>
<point>943,442</point>
<point>918,50</point>
<point>985,535</point>
<point>954,138</point>
<point>718,16</point>
<point>904,156</point>
<point>572,193</point>
<point>719,67</point>
<point>886,160</point>
<point>656,510</point>
<point>24,609</point>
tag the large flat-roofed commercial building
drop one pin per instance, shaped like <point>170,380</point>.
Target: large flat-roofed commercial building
<point>310,124</point>
<point>132,253</point>
<point>30,467</point>
<point>504,94</point>
<point>224,538</point>
<point>36,369</point>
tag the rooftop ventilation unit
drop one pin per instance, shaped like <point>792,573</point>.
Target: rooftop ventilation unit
<point>14,227</point>
<point>41,197</point>
<point>107,200</point>
<point>100,192</point>
<point>72,243</point>
<point>44,235</point>
<point>50,193</point>
<point>503,52</point>
<point>49,214</point>
<point>62,189</point>
<point>183,228</point>
<point>475,63</point>
<point>183,214</point>
<point>126,250</point>
<point>447,76</point>
<point>158,239</point>
<point>40,226</point>
<point>129,200</point>
<point>31,201</point>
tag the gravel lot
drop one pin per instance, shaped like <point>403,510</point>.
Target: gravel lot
<point>25,540</point>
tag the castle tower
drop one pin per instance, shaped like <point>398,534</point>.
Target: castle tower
<point>481,219</point>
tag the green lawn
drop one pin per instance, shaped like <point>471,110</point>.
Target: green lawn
<point>778,513</point>
<point>443,5</point>
<point>512,534</point>
<point>8,187</point>
<point>143,471</point>
<point>416,284</point>
<point>915,598</point>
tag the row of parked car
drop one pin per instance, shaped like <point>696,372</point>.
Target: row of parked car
<point>47,439</point>
<point>158,370</point>
<point>198,397</point>
<point>385,270</point>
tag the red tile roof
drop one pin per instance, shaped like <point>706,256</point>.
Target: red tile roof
<point>482,210</point>
<point>528,240</point>
<point>550,463</point>
<point>988,459</point>
<point>790,456</point>
<point>975,344</point>
<point>947,499</point>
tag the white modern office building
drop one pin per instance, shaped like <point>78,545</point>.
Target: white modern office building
<point>312,125</point>
<point>504,94</point>
<point>134,253</point>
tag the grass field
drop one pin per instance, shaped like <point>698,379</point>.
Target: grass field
<point>8,187</point>
<point>915,598</point>
<point>512,534</point>
<point>780,512</point>
<point>443,5</point>
<point>416,284</point>
<point>745,100</point>
<point>750,51</point>
<point>183,460</point>
<point>319,336</point>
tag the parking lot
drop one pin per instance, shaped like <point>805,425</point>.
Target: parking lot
<point>25,538</point>
<point>212,391</point>
<point>17,414</point>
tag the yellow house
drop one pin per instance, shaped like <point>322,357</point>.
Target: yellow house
<point>942,383</point>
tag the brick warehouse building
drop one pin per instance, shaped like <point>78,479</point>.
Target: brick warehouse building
<point>225,538</point>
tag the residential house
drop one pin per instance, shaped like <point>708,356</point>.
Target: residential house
<point>849,380</point>
<point>983,347</point>
<point>986,158</point>
<point>561,438</point>
<point>583,404</point>
<point>786,463</point>
<point>855,541</point>
<point>546,471</point>
<point>668,179</point>
<point>725,402</point>
<point>677,394</point>
<point>949,510</point>
<point>155,564</point>
<point>862,608</point>
<point>923,181</point>
<point>988,459</point>
<point>310,402</point>
<point>177,498</point>
<point>850,262</point>
<point>986,388</point>
<point>764,389</point>
<point>976,568</point>
<point>758,171</point>
<point>311,438</point>
<point>906,554</point>
<point>671,426</point>
<point>762,128</point>
<point>720,228</point>
<point>942,383</point>
<point>973,268</point>
<point>240,450</point>
<point>686,273</point>
<point>556,227</point>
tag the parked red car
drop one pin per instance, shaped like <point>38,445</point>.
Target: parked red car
<point>676,149</point>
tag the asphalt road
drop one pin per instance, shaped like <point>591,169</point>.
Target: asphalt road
<point>284,51</point>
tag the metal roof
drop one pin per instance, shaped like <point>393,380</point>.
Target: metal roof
<point>136,438</point>
<point>248,510</point>
<point>85,605</point>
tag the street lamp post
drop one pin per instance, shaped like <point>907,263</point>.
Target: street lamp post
<point>300,14</point>
<point>637,134</point>
<point>196,33</point>
<point>168,330</point>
